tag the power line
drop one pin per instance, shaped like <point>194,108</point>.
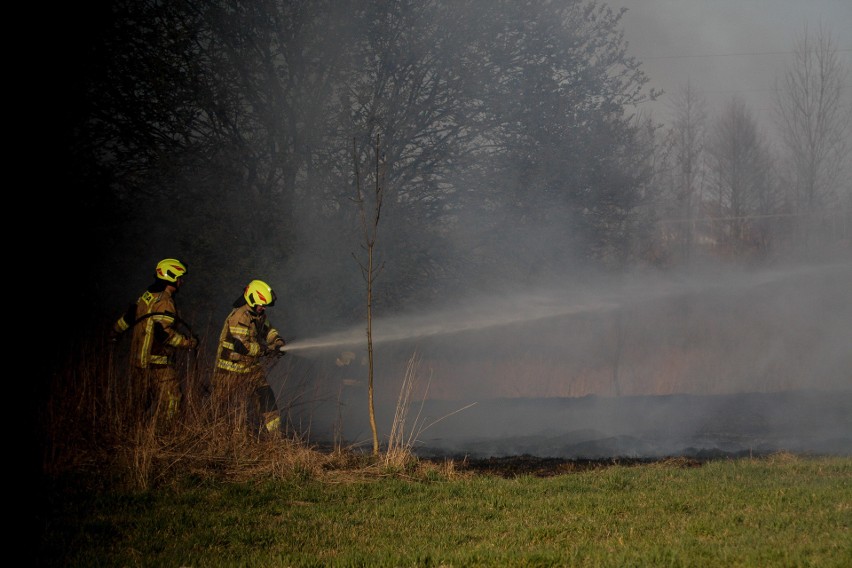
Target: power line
<point>720,91</point>
<point>683,56</point>
<point>823,214</point>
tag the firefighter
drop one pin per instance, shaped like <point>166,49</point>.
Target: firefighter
<point>154,322</point>
<point>240,388</point>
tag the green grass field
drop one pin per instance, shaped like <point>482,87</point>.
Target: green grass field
<point>780,510</point>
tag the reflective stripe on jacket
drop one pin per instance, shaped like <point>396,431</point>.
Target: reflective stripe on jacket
<point>240,346</point>
<point>155,337</point>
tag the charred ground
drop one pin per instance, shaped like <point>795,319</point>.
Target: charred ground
<point>527,465</point>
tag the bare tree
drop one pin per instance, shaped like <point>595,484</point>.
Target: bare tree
<point>814,118</point>
<point>369,269</point>
<point>650,229</point>
<point>688,138</point>
<point>739,162</point>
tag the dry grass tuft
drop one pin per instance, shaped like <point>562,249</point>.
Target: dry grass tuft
<point>403,435</point>
<point>91,425</point>
<point>443,470</point>
<point>782,458</point>
<point>676,462</point>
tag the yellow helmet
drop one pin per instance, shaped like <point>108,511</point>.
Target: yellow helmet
<point>259,293</point>
<point>170,269</point>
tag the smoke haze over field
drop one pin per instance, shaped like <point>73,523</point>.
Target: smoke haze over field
<point>709,332</point>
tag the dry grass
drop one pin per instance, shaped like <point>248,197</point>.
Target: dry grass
<point>782,458</point>
<point>403,435</point>
<point>405,432</point>
<point>91,425</point>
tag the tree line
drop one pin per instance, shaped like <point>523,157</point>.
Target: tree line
<point>513,148</point>
<point>728,181</point>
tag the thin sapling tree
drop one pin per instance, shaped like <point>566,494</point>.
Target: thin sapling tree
<point>369,269</point>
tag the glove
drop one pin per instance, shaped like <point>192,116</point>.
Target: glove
<point>278,346</point>
<point>193,343</point>
<point>114,336</point>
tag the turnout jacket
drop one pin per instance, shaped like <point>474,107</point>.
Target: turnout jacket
<point>244,339</point>
<point>155,338</point>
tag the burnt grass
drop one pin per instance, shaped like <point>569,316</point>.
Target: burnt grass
<point>550,436</point>
<point>529,465</point>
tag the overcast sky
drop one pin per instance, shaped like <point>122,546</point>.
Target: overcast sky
<point>725,47</point>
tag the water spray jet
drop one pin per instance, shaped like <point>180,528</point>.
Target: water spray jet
<point>532,307</point>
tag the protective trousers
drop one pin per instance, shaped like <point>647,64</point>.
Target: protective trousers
<point>245,400</point>
<point>156,394</point>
